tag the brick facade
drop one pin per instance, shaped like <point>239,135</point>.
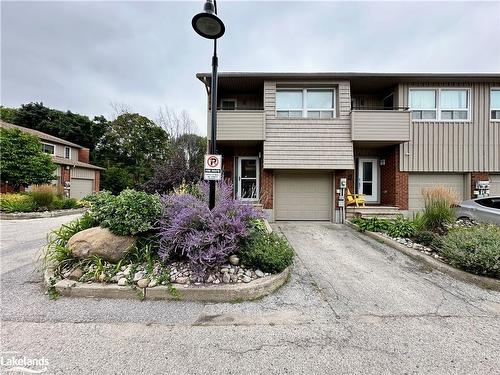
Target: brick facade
<point>349,174</point>
<point>97,181</point>
<point>266,188</point>
<point>393,182</point>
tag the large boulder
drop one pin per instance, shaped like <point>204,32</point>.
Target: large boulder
<point>101,242</point>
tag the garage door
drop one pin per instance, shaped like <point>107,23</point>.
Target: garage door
<point>495,184</point>
<point>81,187</point>
<point>419,181</point>
<point>303,196</point>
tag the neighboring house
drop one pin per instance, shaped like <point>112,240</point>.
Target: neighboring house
<point>74,174</point>
<point>288,138</point>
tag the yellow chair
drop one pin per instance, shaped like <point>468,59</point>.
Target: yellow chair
<point>356,199</point>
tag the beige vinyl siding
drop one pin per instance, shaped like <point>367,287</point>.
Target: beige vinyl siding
<point>60,151</point>
<point>238,125</point>
<point>84,173</point>
<point>303,195</point>
<point>495,184</point>
<point>308,143</point>
<point>418,181</point>
<point>453,146</point>
<point>380,125</point>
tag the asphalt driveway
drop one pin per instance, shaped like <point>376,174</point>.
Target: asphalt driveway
<point>352,306</point>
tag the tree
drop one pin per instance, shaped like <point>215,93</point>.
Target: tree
<point>23,162</point>
<point>116,179</point>
<point>135,143</point>
<point>8,114</point>
<point>175,124</point>
<point>67,125</point>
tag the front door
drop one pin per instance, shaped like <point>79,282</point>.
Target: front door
<point>248,178</point>
<point>368,178</point>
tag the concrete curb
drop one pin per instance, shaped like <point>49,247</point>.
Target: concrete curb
<point>481,281</point>
<point>212,293</point>
<point>40,215</point>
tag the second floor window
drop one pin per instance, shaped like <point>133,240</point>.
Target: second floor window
<point>495,104</point>
<point>67,152</point>
<point>48,149</point>
<point>311,103</point>
<point>439,104</point>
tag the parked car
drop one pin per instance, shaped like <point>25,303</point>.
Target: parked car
<point>485,210</point>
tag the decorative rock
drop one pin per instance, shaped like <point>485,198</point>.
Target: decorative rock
<point>232,270</point>
<point>216,281</point>
<point>247,279</point>
<point>101,242</point>
<point>122,281</point>
<point>182,280</point>
<point>143,283</point>
<point>139,275</point>
<point>234,278</point>
<point>152,284</point>
<point>259,273</point>
<point>224,270</point>
<point>226,278</point>
<point>75,274</point>
<point>127,271</point>
<point>248,273</point>
<point>101,277</point>
<point>234,260</point>
<point>210,279</point>
<point>172,279</point>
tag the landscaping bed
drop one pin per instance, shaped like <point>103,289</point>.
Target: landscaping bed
<point>141,241</point>
<point>465,245</point>
<point>40,201</point>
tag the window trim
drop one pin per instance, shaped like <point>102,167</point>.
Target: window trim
<point>493,109</point>
<point>70,152</point>
<point>49,144</point>
<point>438,108</point>
<point>304,108</point>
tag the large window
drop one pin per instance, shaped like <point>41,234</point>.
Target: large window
<point>312,103</point>
<point>445,104</point>
<point>48,149</point>
<point>495,104</point>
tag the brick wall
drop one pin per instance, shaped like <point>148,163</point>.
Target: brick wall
<point>65,177</point>
<point>266,188</point>
<point>84,155</point>
<point>393,182</point>
<point>97,181</point>
<point>349,174</point>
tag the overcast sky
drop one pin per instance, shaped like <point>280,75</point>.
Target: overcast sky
<point>81,56</point>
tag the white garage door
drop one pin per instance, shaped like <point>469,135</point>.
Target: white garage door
<point>495,184</point>
<point>419,181</point>
<point>81,187</point>
<point>303,195</point>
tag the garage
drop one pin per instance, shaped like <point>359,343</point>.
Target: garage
<point>419,181</point>
<point>81,187</point>
<point>303,195</point>
<point>495,184</point>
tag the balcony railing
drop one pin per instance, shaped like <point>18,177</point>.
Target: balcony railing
<point>380,125</point>
<point>239,125</point>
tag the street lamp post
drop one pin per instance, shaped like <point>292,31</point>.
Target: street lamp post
<point>209,26</point>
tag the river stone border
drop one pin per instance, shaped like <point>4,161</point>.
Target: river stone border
<point>40,215</point>
<point>204,293</point>
<point>481,281</point>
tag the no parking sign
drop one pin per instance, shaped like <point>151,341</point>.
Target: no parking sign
<point>213,167</point>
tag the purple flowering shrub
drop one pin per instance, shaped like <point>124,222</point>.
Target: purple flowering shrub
<point>189,230</point>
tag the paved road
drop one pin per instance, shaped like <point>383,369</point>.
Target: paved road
<point>351,306</point>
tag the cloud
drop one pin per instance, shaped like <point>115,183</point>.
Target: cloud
<point>83,55</point>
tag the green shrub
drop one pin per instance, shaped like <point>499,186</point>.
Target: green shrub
<point>425,237</point>
<point>61,203</point>
<point>43,195</point>
<point>400,228</point>
<point>372,224</point>
<point>268,252</point>
<point>438,208</point>
<point>475,249</point>
<point>129,213</point>
<point>17,203</point>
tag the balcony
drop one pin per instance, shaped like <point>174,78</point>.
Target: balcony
<point>239,125</point>
<point>387,126</point>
